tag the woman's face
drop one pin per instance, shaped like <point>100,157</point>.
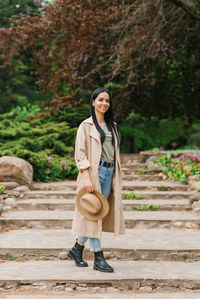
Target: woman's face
<point>102,103</point>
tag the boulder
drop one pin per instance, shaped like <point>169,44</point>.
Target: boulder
<point>13,193</point>
<point>16,169</point>
<point>194,197</point>
<point>22,189</point>
<point>154,167</point>
<point>151,159</point>
<point>9,185</point>
<point>11,202</point>
<point>194,186</point>
<point>196,206</point>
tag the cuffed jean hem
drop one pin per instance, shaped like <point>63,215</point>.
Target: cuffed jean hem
<point>95,243</point>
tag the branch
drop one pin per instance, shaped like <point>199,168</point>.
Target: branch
<point>185,8</point>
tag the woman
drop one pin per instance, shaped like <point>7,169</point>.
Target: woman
<point>98,161</point>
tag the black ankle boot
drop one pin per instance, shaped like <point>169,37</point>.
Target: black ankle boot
<point>100,263</point>
<point>76,254</point>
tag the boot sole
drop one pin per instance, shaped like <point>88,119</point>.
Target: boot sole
<point>103,270</point>
<point>72,258</point>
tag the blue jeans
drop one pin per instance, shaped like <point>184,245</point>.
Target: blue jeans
<point>105,181</point>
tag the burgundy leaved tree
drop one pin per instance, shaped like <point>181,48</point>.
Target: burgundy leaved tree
<point>84,44</point>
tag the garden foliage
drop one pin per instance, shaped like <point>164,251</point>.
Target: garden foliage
<point>47,143</point>
<point>182,167</point>
<point>139,133</point>
<point>148,49</point>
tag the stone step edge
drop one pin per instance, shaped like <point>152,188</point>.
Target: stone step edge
<point>53,192</point>
<point>127,206</point>
<point>109,253</point>
<point>125,182</point>
<point>136,223</point>
<point>129,275</point>
<point>89,293</point>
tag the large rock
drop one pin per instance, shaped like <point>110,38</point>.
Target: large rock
<point>154,167</point>
<point>16,169</point>
<point>152,158</point>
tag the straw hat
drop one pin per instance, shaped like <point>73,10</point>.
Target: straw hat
<point>92,205</point>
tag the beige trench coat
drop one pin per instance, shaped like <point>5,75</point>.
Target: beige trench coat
<point>87,155</point>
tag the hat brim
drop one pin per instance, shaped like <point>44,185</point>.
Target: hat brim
<point>101,214</point>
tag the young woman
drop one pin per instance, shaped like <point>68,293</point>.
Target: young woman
<point>98,160</point>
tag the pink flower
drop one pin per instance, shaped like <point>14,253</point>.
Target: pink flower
<point>63,163</point>
<point>174,144</point>
<point>50,159</point>
<point>182,157</point>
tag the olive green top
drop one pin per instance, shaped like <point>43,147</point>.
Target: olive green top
<point>107,148</point>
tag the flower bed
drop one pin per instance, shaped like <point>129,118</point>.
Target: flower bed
<point>181,167</point>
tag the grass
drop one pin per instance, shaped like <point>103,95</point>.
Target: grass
<point>147,207</point>
<point>44,258</point>
<point>131,195</point>
<point>11,257</point>
<point>143,170</point>
<point>163,188</point>
<point>3,189</point>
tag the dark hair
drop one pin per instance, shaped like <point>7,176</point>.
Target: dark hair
<point>108,116</point>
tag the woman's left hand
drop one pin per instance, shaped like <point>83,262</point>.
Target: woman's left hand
<point>88,181</point>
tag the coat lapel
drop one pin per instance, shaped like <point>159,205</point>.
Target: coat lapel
<point>93,133</point>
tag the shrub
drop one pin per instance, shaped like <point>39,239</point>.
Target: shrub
<point>139,133</point>
<point>193,134</point>
<point>35,140</point>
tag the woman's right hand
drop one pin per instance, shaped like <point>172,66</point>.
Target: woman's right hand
<point>88,181</point>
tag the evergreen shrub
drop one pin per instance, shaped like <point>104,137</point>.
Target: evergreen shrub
<point>47,143</point>
<point>139,133</point>
<point>193,134</point>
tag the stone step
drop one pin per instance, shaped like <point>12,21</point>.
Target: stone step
<point>132,275</point>
<point>140,244</point>
<point>133,166</point>
<point>153,185</point>
<point>133,219</point>
<point>127,185</point>
<point>143,177</point>
<point>128,205</point>
<point>130,158</point>
<point>132,171</point>
<point>69,194</point>
<point>111,293</point>
<point>67,183</point>
<point>9,185</point>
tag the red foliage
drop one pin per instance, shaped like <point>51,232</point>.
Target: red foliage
<point>86,43</point>
<point>64,41</point>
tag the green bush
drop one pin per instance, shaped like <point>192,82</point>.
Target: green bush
<point>29,109</point>
<point>193,134</point>
<point>73,116</point>
<point>35,140</point>
<point>139,133</point>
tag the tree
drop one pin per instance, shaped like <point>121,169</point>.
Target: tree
<point>84,44</point>
<point>15,9</point>
<point>19,87</point>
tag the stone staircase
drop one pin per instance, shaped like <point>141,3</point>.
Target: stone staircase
<point>158,257</point>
